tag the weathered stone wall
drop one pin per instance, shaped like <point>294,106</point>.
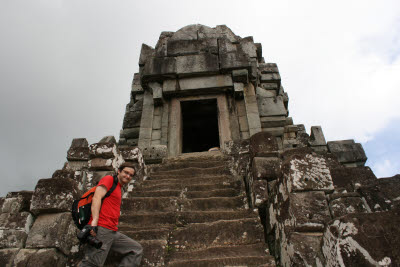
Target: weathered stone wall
<point>317,209</point>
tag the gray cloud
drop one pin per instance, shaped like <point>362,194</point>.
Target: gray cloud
<point>66,67</point>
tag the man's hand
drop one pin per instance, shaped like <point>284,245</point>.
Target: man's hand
<point>93,231</point>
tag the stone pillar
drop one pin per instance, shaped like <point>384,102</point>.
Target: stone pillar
<point>175,129</point>
<point>146,123</point>
<point>223,121</point>
<point>253,116</point>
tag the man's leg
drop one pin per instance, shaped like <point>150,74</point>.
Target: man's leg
<point>97,257</point>
<point>131,250</point>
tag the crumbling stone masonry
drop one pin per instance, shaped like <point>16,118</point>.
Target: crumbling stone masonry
<point>270,194</point>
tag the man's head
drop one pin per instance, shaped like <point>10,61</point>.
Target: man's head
<point>125,173</point>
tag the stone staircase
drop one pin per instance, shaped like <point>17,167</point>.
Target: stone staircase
<point>191,212</point>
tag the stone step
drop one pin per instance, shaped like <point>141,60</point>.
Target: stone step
<point>238,261</point>
<point>193,171</point>
<point>198,157</point>
<point>154,254</point>
<point>229,192</point>
<point>189,188</point>
<point>156,193</point>
<point>245,255</point>
<point>134,204</point>
<point>188,194</point>
<point>187,217</point>
<point>187,181</point>
<point>187,164</point>
<point>148,234</point>
<point>220,233</point>
<point>213,203</point>
<point>149,220</point>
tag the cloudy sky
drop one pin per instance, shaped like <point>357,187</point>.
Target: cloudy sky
<point>66,68</point>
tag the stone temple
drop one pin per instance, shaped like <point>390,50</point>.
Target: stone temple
<point>224,176</point>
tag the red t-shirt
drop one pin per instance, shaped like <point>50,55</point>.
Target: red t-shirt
<point>110,209</point>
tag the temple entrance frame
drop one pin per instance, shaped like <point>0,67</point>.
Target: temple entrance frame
<point>175,134</point>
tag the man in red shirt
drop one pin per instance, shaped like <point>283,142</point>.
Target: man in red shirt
<point>104,223</point>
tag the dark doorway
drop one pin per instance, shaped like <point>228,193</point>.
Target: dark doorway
<point>199,125</point>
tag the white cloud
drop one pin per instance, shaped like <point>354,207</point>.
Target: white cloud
<point>385,168</point>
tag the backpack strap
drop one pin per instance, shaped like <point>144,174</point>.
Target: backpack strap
<point>112,188</point>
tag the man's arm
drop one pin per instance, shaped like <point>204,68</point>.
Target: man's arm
<point>100,192</point>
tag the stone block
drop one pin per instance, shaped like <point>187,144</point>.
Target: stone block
<point>63,174</point>
<point>191,47</point>
<point>196,64</point>
<point>131,154</point>
<point>271,78</point>
<point>266,168</point>
<point>347,151</point>
<point>272,122</point>
<point>12,238</point>
<point>302,249</point>
<point>108,139</point>
<point>161,46</point>
<point>145,53</point>
<point>317,136</point>
<point>54,195</point>
<point>95,176</point>
<point>240,76</point>
<point>363,239</point>
<point>157,123</point>
<point>274,131</point>
<point>103,150</point>
<point>248,47</point>
<point>157,93</point>
<point>220,31</point>
<point>156,67</point>
<point>169,86</point>
<point>156,135</point>
<point>265,93</point>
<point>263,145</point>
<point>244,126</point>
<point>269,106</point>
<point>7,256</point>
<point>18,221</point>
<point>382,194</point>
<point>132,142</point>
<point>238,90</point>
<point>208,82</point>
<point>77,165</point>
<point>304,172</point>
<point>154,154</point>
<point>268,68</point>
<point>130,133</point>
<point>78,153</point>
<point>270,86</point>
<point>53,231</point>
<point>234,60</point>
<point>39,257</point>
<point>16,202</point>
<point>351,179</point>
<point>260,189</point>
<point>346,205</point>
<point>309,210</point>
<point>99,164</point>
<point>132,119</point>
<point>136,86</point>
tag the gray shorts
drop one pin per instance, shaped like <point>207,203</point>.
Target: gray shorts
<point>117,242</point>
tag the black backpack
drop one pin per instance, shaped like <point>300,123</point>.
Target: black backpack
<point>81,208</point>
